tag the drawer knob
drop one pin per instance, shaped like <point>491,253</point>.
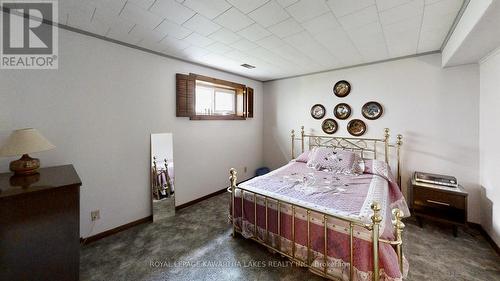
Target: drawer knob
<point>439,203</point>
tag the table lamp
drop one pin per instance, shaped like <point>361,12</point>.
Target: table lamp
<point>22,142</point>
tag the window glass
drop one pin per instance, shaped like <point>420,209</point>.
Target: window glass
<point>224,101</point>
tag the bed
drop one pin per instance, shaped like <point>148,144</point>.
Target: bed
<point>341,226</point>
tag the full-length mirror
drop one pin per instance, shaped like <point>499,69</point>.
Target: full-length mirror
<point>162,176</point>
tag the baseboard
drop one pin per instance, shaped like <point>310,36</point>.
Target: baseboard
<point>485,234</point>
<point>93,238</point>
<point>90,239</point>
<point>177,208</point>
<point>187,204</point>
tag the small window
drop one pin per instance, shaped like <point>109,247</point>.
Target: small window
<point>213,100</point>
<point>205,98</point>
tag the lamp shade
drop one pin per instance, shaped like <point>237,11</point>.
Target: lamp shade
<point>25,141</point>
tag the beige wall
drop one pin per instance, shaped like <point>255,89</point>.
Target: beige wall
<point>436,110</point>
<point>100,107</point>
<point>488,144</point>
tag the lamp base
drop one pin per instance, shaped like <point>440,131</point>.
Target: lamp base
<point>25,165</point>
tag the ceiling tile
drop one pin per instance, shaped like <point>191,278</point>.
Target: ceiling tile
<point>172,10</point>
<point>431,40</point>
<point>225,36</point>
<point>411,25</point>
<point>285,37</point>
<point>344,7</point>
<point>112,7</point>
<point>286,3</point>
<point>286,28</point>
<point>307,9</point>
<point>270,42</point>
<point>201,25</point>
<point>140,16</point>
<point>151,35</point>
<point>234,20</point>
<point>151,45</point>
<point>123,36</point>
<point>432,21</point>
<point>94,26</point>
<point>306,44</point>
<point>443,7</point>
<point>209,9</point>
<point>117,23</point>
<point>194,52</point>
<point>174,43</point>
<point>321,24</point>
<point>246,6</point>
<point>254,32</point>
<point>359,18</point>
<point>218,48</point>
<point>388,4</point>
<point>145,4</point>
<point>269,14</point>
<point>244,45</point>
<point>402,12</point>
<point>198,40</point>
<point>173,29</point>
<point>370,42</point>
<point>338,42</point>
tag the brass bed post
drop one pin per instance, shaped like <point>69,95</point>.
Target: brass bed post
<point>293,144</point>
<point>399,142</point>
<point>398,232</point>
<point>232,180</point>
<point>375,227</point>
<point>302,138</point>
<point>386,145</point>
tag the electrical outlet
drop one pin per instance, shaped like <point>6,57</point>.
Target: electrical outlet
<point>245,169</point>
<point>95,215</point>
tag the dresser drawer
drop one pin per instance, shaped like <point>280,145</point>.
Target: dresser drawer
<point>437,199</point>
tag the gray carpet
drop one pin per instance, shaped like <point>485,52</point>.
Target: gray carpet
<point>196,245</point>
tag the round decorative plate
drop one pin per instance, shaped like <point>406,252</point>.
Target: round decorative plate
<point>329,126</point>
<point>372,110</point>
<point>342,88</point>
<point>318,111</point>
<point>356,127</point>
<point>342,111</point>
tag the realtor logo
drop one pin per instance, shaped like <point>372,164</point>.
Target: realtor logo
<point>26,42</point>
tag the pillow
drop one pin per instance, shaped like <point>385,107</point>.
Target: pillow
<point>304,157</point>
<point>336,160</point>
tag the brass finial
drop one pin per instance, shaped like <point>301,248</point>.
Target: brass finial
<point>386,131</point>
<point>302,130</point>
<point>398,215</point>
<point>400,139</point>
<point>376,218</point>
<point>293,134</point>
<point>232,177</point>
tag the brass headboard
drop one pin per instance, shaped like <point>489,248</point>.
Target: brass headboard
<point>368,148</point>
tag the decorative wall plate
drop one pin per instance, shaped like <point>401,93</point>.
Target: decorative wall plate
<point>372,110</point>
<point>329,126</point>
<point>356,127</point>
<point>318,111</point>
<point>342,88</point>
<point>342,111</point>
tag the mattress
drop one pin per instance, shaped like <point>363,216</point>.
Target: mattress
<point>341,195</point>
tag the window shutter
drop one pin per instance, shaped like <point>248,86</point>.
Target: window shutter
<point>185,85</point>
<point>249,102</point>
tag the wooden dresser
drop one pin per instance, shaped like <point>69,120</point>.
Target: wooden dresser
<point>40,225</point>
<point>439,203</point>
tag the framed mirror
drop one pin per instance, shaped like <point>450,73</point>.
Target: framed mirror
<point>162,176</point>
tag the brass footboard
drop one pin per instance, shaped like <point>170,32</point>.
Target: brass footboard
<point>373,227</point>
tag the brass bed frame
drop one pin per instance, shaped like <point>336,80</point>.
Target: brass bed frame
<point>366,147</point>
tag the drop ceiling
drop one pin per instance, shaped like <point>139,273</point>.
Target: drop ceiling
<point>281,38</point>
